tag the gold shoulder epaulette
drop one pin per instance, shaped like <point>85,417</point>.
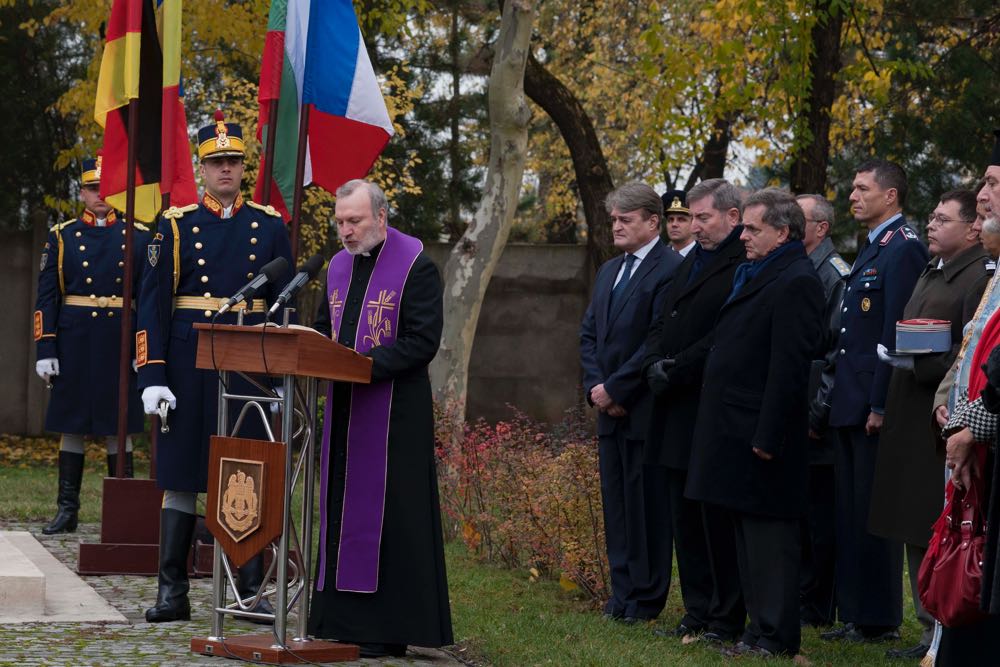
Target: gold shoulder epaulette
<point>175,212</point>
<point>141,227</point>
<point>269,210</point>
<point>59,226</point>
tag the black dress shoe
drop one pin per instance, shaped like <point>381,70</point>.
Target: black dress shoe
<point>683,630</point>
<point>837,634</point>
<point>744,650</point>
<point>912,653</point>
<point>630,620</point>
<point>716,637</point>
<point>872,634</point>
<point>374,650</point>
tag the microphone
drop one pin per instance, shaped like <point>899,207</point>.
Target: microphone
<point>306,273</point>
<point>268,273</point>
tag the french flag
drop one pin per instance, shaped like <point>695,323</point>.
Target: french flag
<point>314,54</point>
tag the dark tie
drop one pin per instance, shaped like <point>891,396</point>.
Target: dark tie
<point>616,292</point>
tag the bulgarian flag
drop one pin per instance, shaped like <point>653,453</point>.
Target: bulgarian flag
<point>314,54</point>
<point>142,60</point>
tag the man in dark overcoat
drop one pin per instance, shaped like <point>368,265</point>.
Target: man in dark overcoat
<point>380,579</point>
<point>817,604</point>
<point>676,347</point>
<point>200,255</point>
<point>749,455</point>
<point>627,295</point>
<point>77,330</point>
<point>869,568</point>
<point>906,495</point>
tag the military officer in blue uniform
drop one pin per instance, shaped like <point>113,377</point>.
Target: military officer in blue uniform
<point>77,330</point>
<point>200,255</point>
<point>869,569</point>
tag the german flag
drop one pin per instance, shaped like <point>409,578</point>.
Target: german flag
<point>141,63</point>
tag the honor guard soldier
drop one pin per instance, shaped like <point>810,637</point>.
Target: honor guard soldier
<point>78,335</point>
<point>677,221</point>
<point>200,255</point>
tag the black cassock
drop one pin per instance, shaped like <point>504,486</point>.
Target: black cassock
<point>410,605</point>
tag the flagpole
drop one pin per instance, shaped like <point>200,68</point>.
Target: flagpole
<point>269,138</point>
<point>300,171</point>
<point>125,356</point>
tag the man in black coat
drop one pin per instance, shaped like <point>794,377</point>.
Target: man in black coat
<point>627,294</point>
<point>676,348</point>
<point>750,444</point>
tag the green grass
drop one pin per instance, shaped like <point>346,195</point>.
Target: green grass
<point>500,617</point>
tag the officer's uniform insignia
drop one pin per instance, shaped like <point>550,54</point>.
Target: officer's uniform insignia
<point>870,272</point>
<point>909,233</point>
<point>45,259</point>
<point>990,264</point>
<point>843,268</point>
<point>158,237</point>
<point>38,329</point>
<point>141,349</point>
<point>887,237</point>
<point>175,212</point>
<point>270,210</point>
<point>866,304</point>
<point>153,253</point>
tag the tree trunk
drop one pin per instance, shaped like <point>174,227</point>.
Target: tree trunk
<point>593,179</point>
<point>808,170</point>
<point>712,163</point>
<point>474,258</point>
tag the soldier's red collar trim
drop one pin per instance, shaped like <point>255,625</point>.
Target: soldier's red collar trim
<point>216,207</point>
<point>91,219</point>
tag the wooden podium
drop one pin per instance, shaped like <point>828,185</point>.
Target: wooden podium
<point>300,356</point>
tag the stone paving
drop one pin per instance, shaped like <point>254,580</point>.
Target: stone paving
<point>136,642</point>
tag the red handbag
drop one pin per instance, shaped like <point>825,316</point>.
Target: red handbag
<point>950,578</point>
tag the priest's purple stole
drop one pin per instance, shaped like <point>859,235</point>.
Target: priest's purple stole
<point>368,426</point>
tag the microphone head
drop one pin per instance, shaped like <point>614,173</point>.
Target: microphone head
<point>312,266</point>
<point>275,268</point>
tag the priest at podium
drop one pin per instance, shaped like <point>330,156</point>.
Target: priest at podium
<point>380,580</point>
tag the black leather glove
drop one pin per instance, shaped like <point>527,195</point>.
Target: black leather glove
<point>658,375</point>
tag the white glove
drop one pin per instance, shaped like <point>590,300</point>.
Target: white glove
<point>151,397</point>
<point>276,407</point>
<point>135,366</point>
<point>903,361</point>
<point>47,368</point>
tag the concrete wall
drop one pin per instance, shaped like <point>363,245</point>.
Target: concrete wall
<point>527,347</point>
<point>526,351</point>
<point>23,396</point>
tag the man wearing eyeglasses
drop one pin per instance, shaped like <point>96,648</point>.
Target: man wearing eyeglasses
<point>906,495</point>
<point>869,568</point>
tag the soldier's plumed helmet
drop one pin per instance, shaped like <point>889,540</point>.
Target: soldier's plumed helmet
<point>90,173</point>
<point>220,139</point>
<point>675,201</point>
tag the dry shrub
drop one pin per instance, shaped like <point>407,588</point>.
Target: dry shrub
<point>526,496</point>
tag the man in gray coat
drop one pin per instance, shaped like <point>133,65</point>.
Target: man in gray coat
<point>816,594</point>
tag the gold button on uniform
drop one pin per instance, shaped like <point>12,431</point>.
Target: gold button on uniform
<point>93,313</point>
<point>208,313</point>
<point>204,279</point>
<point>120,264</point>
<point>197,246</point>
<point>79,234</point>
<point>86,263</point>
<point>253,225</point>
<point>89,280</point>
<point>123,246</point>
<point>111,313</point>
<point>201,262</point>
<point>253,241</point>
<point>118,280</point>
<point>253,258</point>
<point>195,230</point>
<point>82,248</point>
<point>208,295</point>
<point>249,276</point>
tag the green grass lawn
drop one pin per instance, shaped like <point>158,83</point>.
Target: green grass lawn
<point>501,617</point>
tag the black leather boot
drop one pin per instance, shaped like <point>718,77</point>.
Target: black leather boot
<point>68,500</point>
<point>248,582</point>
<point>172,604</point>
<point>113,465</point>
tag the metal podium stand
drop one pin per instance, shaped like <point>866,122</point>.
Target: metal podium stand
<point>300,357</point>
